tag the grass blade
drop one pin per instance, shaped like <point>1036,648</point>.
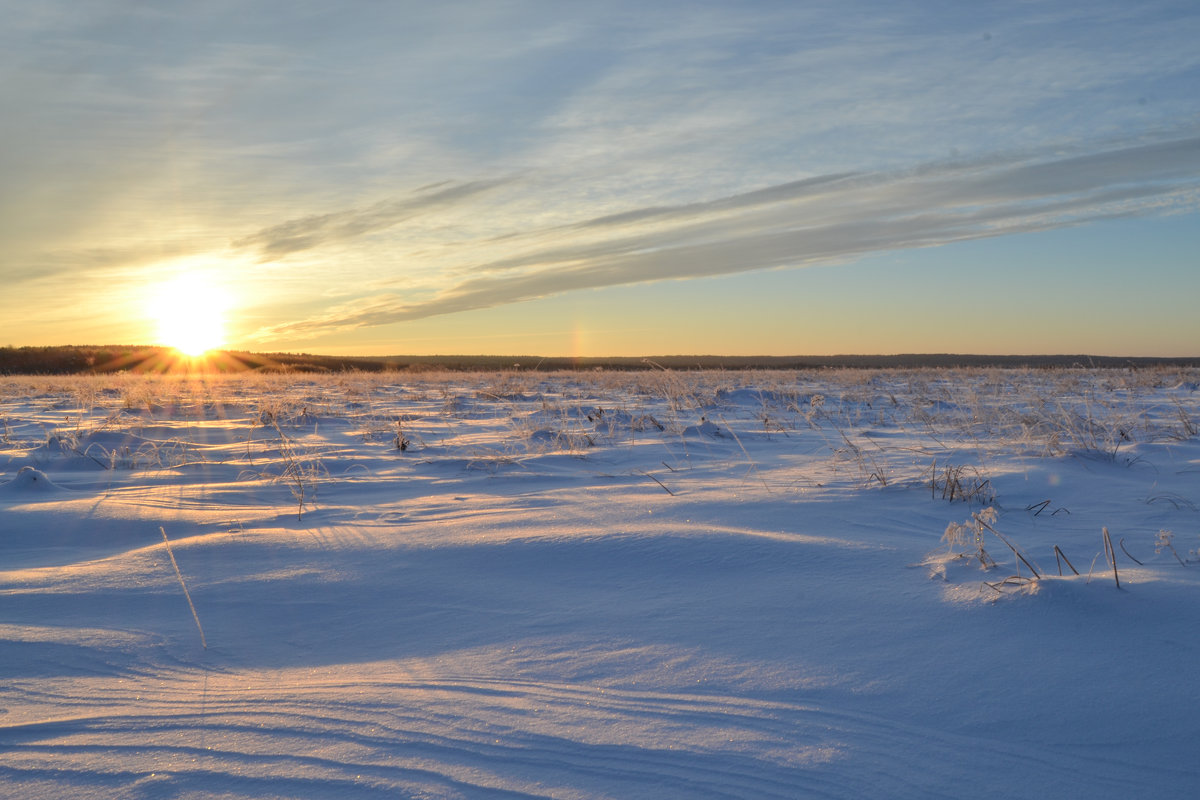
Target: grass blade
<point>186,593</point>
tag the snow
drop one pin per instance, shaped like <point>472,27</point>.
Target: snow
<point>600,585</point>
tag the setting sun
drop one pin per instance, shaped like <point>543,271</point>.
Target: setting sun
<point>190,312</point>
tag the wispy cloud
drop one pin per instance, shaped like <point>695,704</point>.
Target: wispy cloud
<point>305,233</point>
<point>772,194</point>
<point>818,220</point>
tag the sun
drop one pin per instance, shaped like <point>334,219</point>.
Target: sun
<point>190,312</point>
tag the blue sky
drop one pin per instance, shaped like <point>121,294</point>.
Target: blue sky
<point>615,179</point>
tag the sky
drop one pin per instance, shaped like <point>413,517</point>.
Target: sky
<point>612,178</point>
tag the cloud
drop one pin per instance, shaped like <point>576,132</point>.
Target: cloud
<point>818,220</point>
<point>91,265</point>
<point>785,191</point>
<point>306,233</point>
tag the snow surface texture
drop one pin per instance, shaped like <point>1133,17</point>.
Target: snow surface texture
<point>653,585</point>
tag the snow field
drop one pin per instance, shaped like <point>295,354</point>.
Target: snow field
<point>600,585</point>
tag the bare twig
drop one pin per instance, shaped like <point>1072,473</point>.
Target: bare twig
<point>1059,554</point>
<point>1111,555</point>
<point>1012,547</point>
<point>1011,580</point>
<point>1127,553</point>
<point>660,483</point>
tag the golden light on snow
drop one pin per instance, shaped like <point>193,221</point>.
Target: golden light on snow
<point>190,313</point>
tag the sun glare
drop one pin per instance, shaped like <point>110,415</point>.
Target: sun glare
<point>190,311</point>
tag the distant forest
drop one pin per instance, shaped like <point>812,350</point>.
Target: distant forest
<point>74,360</point>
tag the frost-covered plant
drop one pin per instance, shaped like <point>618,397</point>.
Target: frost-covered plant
<point>965,539</point>
<point>299,468</point>
<point>1166,541</point>
<point>960,482</point>
<point>401,441</point>
<point>1187,425</point>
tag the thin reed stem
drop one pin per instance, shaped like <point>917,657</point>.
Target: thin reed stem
<point>186,593</point>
